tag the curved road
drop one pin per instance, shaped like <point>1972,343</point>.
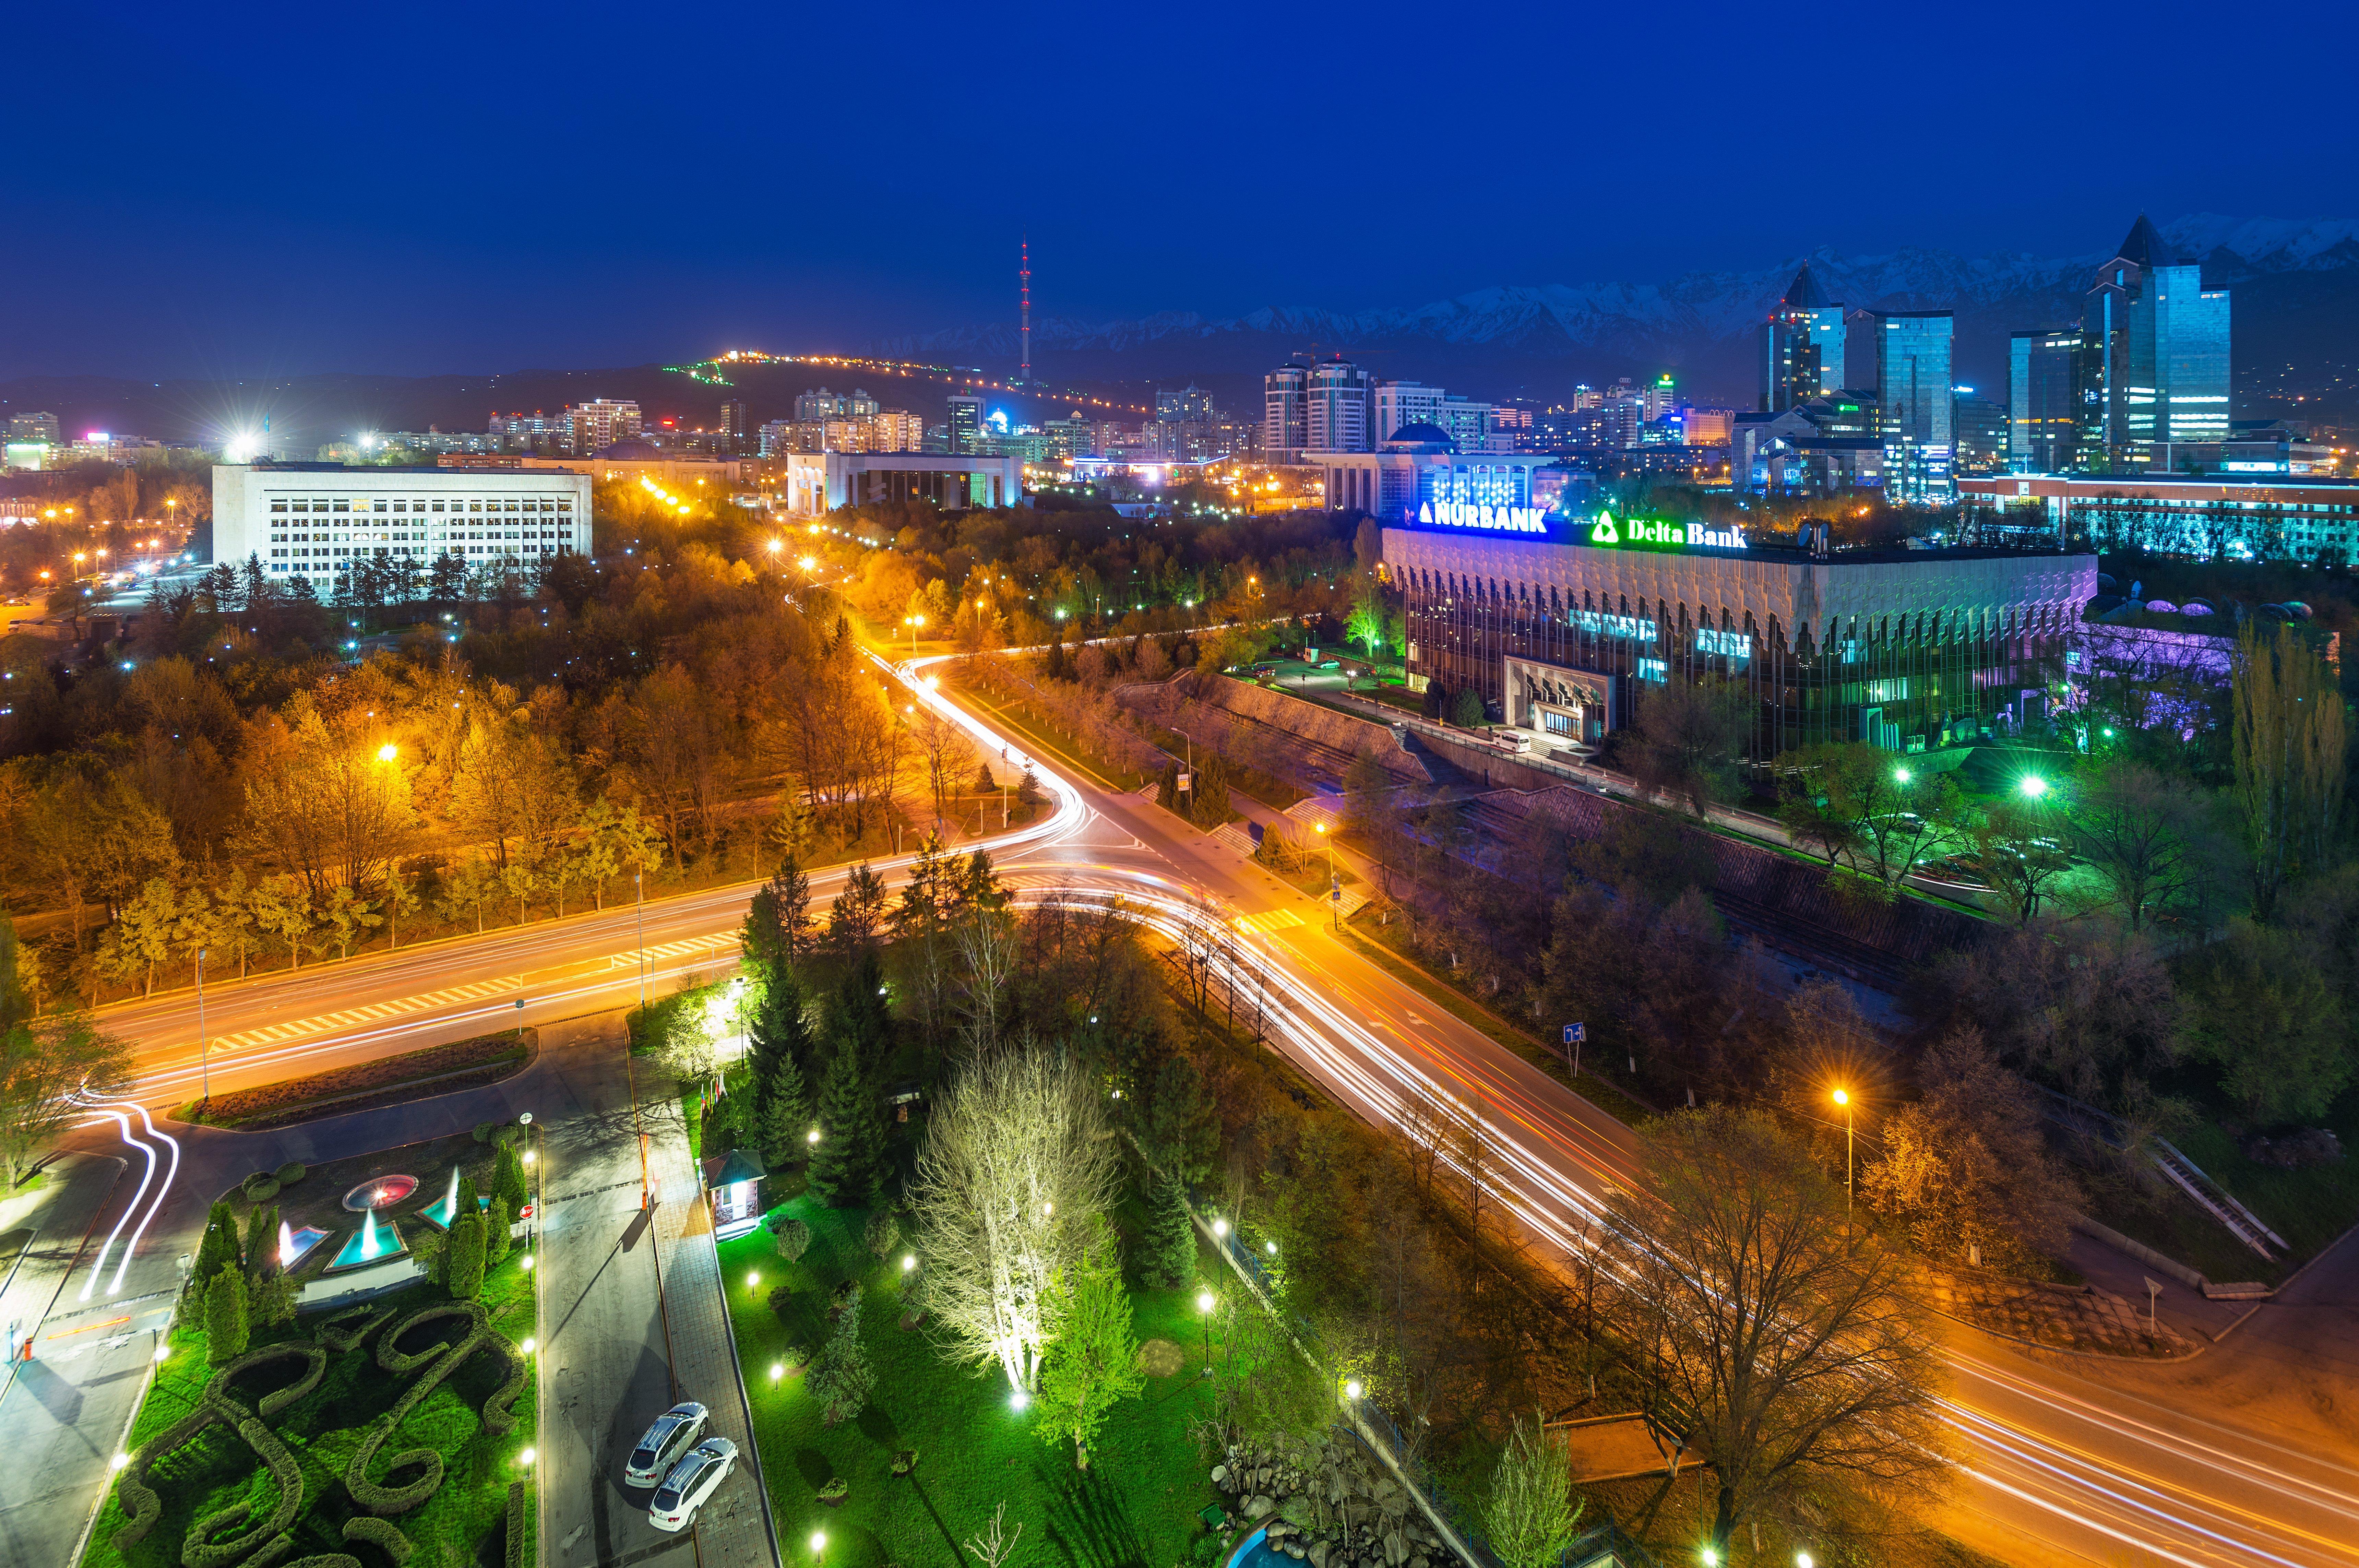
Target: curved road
<point>2237,1458</point>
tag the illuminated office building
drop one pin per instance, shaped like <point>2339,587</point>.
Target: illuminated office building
<point>1906,649</point>
<point>1979,427</point>
<point>2154,359</point>
<point>1286,411</point>
<point>1801,346</point>
<point>2043,401</point>
<point>1904,357</point>
<point>1337,407</point>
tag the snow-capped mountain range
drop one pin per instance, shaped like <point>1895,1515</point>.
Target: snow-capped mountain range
<point>1537,339</point>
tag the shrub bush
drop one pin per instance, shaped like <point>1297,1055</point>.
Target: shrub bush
<point>883,1230</point>
<point>290,1173</point>
<point>394,1359</point>
<point>384,1500</point>
<point>793,1236</point>
<point>516,1525</point>
<point>261,1188</point>
<point>836,1490</point>
<point>346,1330</point>
<point>381,1533</point>
<point>782,1301</point>
<point>499,1419</point>
<point>462,1269</point>
<point>484,1131</point>
<point>226,1325</point>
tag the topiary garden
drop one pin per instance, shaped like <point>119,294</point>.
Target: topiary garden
<point>394,1431</point>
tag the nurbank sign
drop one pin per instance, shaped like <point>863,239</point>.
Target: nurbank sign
<point>1469,515</point>
<point>1634,533</point>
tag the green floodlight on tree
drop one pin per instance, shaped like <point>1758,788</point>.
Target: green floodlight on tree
<point>2034,785</point>
<point>1901,776</point>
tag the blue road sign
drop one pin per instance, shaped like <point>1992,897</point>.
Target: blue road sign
<point>1575,1033</point>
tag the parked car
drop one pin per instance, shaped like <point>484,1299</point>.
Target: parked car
<point>691,1481</point>
<point>674,1433</point>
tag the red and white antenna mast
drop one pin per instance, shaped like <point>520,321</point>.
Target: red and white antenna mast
<point>1023,308</point>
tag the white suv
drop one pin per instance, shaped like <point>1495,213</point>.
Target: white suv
<point>674,1431</point>
<point>691,1481</point>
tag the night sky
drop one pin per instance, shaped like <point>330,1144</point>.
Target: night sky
<point>201,190</point>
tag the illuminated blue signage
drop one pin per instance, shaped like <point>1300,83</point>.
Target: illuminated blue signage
<point>1625,628</point>
<point>1736,645</point>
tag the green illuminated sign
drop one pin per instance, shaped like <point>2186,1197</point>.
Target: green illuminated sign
<point>1641,533</point>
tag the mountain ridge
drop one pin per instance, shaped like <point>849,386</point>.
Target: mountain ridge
<point>1699,322</point>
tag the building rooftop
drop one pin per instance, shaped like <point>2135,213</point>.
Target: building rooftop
<point>1804,293</point>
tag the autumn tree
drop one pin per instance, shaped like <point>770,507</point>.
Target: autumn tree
<point>1965,1169</point>
<point>1779,1332</point>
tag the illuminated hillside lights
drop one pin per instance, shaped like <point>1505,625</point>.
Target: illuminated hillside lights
<point>2034,785</point>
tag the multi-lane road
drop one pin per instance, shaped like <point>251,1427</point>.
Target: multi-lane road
<point>2241,1456</point>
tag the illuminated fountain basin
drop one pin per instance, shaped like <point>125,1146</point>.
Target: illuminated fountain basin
<point>380,1193</point>
<point>294,1245</point>
<point>438,1213</point>
<point>373,1243</point>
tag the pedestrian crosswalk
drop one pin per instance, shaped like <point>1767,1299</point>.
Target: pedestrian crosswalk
<point>455,995</point>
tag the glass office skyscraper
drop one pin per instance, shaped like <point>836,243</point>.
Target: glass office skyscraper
<point>2154,369</point>
<point>1801,346</point>
<point>2042,404</point>
<point>1909,354</point>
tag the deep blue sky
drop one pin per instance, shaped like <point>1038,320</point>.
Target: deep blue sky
<point>268,191</point>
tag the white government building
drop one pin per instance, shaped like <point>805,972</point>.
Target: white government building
<point>315,518</point>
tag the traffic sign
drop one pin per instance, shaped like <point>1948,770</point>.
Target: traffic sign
<point>1575,1033</point>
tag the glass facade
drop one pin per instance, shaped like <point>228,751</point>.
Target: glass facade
<point>1903,681</point>
<point>1909,353</point>
<point>2154,367</point>
<point>2043,406</point>
<point>1801,355</point>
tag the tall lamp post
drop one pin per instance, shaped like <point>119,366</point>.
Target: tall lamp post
<point>1842,1098</point>
<point>204,1054</point>
<point>1334,883</point>
<point>1204,1305</point>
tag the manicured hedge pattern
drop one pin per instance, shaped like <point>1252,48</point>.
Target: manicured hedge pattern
<point>218,1542</point>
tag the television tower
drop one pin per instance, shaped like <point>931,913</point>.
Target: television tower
<point>1024,309</point>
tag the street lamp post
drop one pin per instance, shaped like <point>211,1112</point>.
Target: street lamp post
<point>204,1056</point>
<point>1334,883</point>
<point>1204,1304</point>
<point>639,882</point>
<point>1842,1098</point>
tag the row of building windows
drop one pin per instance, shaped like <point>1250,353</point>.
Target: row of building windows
<point>419,504</point>
<point>398,537</point>
<point>321,565</point>
<point>1617,615</point>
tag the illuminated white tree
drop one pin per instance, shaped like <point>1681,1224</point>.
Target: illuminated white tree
<point>1018,1166</point>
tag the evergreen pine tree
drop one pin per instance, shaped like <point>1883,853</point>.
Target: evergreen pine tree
<point>467,1203</point>
<point>508,1182</point>
<point>863,1016</point>
<point>218,1249</point>
<point>840,1379</point>
<point>261,1238</point>
<point>462,1266</point>
<point>782,1129</point>
<point>847,1165</point>
<point>780,1047</point>
<point>496,1239</point>
<point>227,1327</point>
<point>1168,1248</point>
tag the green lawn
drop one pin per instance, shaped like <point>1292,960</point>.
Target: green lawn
<point>322,1430</point>
<point>1137,1504</point>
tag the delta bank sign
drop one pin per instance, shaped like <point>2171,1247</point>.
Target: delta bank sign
<point>1605,532</point>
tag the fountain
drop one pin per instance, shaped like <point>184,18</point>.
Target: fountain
<point>296,1244</point>
<point>366,1246</point>
<point>439,1214</point>
<point>380,1193</point>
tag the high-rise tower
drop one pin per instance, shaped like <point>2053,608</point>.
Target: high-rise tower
<point>1023,311</point>
<point>1801,346</point>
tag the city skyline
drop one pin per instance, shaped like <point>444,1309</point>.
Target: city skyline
<point>400,227</point>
